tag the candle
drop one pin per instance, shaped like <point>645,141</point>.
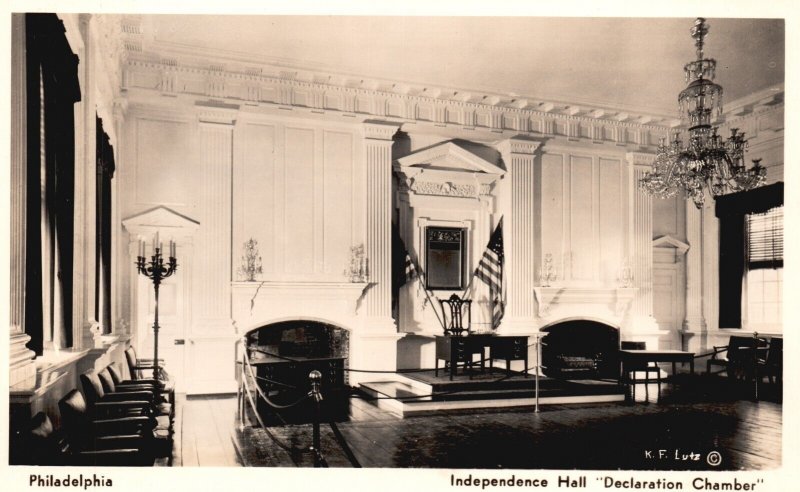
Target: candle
<point>156,244</point>
<point>172,248</point>
<point>141,246</point>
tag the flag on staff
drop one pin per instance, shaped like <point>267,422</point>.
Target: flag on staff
<point>403,268</point>
<point>490,270</point>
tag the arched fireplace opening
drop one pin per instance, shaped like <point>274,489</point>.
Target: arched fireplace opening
<point>581,349</point>
<point>300,338</point>
<point>284,353</point>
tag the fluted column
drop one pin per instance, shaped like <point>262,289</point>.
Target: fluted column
<point>213,273</point>
<point>519,234</point>
<point>641,212</point>
<point>378,160</point>
<point>21,365</point>
<point>695,321</point>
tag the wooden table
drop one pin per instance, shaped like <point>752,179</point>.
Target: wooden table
<point>455,349</point>
<point>646,356</point>
<point>285,379</point>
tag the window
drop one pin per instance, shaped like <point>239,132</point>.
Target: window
<point>763,299</point>
<point>445,254</point>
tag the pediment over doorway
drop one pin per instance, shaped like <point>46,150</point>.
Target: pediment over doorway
<point>161,219</point>
<point>447,169</point>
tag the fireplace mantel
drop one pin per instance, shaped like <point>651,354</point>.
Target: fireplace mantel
<point>609,303</point>
<point>269,301</point>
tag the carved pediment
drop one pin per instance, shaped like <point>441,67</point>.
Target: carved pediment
<point>671,242</point>
<point>448,156</point>
<point>447,169</point>
<point>166,221</point>
<point>667,249</point>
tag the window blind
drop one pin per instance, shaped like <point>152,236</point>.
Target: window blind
<point>765,239</point>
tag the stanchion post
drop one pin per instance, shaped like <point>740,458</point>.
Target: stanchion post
<point>316,378</point>
<point>240,396</point>
<point>538,341</point>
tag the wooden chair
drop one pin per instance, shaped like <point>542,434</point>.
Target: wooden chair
<point>456,311</point>
<point>141,368</point>
<point>82,428</point>
<point>125,404</point>
<point>160,400</point>
<point>639,367</point>
<point>166,388</point>
<point>739,357</point>
<point>771,365</point>
<point>453,311</point>
<point>44,445</point>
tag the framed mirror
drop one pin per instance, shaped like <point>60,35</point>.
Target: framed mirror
<point>445,254</point>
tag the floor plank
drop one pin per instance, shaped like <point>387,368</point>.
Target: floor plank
<point>586,436</point>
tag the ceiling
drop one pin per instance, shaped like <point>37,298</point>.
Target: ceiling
<point>626,63</point>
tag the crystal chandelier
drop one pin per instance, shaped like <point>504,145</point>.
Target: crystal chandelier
<point>707,160</point>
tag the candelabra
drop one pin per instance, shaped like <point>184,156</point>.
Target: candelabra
<point>156,270</point>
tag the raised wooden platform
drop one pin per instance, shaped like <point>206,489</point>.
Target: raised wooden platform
<point>422,392</point>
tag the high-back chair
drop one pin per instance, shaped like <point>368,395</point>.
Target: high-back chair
<point>457,314</point>
<point>454,309</point>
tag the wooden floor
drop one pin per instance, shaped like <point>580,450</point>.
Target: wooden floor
<point>691,420</point>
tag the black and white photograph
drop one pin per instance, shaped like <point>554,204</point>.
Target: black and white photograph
<point>501,248</point>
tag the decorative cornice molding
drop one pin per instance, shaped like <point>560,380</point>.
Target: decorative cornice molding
<point>395,102</point>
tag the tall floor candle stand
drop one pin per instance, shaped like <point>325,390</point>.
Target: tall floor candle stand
<point>156,270</point>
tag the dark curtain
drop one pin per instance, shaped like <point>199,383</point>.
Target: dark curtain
<point>105,172</point>
<point>50,61</point>
<point>731,211</point>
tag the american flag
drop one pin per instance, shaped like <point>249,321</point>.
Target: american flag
<point>410,270</point>
<point>490,270</point>
<point>403,268</point>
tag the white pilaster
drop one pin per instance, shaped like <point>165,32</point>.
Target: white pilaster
<point>213,274</point>
<point>695,321</point>
<point>85,236</point>
<point>519,235</point>
<point>21,365</point>
<point>641,210</point>
<point>710,231</point>
<point>119,316</point>
<point>378,158</point>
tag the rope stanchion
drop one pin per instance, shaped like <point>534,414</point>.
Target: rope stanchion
<point>284,446</point>
<point>319,460</point>
<point>316,447</point>
<point>266,399</point>
<point>248,378</point>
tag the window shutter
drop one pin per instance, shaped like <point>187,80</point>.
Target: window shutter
<point>765,239</point>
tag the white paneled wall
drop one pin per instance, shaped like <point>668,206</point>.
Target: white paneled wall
<point>294,191</point>
<point>584,216</point>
